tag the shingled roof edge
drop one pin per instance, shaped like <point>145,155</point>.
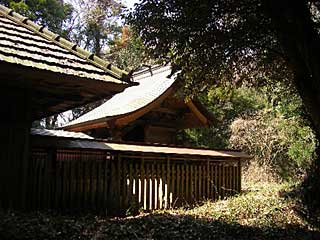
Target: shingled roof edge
<point>66,44</point>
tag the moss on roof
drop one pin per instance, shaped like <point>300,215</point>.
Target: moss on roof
<point>64,43</point>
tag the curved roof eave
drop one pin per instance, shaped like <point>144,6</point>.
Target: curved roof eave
<point>151,89</point>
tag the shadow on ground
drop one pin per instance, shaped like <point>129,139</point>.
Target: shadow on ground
<point>165,226</point>
<point>307,195</point>
<point>149,226</point>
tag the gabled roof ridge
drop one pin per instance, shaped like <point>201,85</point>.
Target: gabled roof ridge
<point>150,71</point>
<point>66,44</point>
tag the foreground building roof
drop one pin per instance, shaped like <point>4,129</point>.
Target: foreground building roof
<point>59,74</point>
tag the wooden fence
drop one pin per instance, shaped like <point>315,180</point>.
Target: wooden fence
<point>113,183</point>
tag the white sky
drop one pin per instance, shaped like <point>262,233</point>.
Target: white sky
<point>130,3</point>
<point>67,114</point>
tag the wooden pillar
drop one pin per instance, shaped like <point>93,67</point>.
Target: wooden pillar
<point>15,122</point>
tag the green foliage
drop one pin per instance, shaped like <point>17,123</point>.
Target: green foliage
<point>127,51</point>
<point>300,141</point>
<point>267,123</point>
<point>286,146</point>
<point>96,24</point>
<point>212,42</point>
<point>225,103</point>
<point>50,13</point>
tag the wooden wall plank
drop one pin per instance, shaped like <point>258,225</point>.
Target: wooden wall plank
<point>200,182</point>
<point>143,199</point>
<point>173,188</point>
<point>147,185</point>
<point>124,184</point>
<point>204,180</point>
<point>187,194</point>
<point>136,185</point>
<point>182,189</point>
<point>129,198</point>
<point>239,176</point>
<point>163,179</point>
<point>153,204</point>
<point>168,182</point>
<point>159,187</point>
<point>178,185</point>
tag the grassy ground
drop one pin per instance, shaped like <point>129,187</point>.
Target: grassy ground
<point>262,211</point>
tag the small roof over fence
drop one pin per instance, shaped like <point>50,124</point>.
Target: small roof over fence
<point>60,74</point>
<point>72,140</point>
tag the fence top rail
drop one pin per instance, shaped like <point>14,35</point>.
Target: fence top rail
<point>85,144</point>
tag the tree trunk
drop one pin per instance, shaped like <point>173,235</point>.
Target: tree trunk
<point>301,45</point>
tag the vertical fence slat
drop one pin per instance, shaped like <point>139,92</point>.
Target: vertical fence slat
<point>124,184</point>
<point>129,200</point>
<point>178,184</point>
<point>136,185</point>
<point>77,179</point>
<point>118,182</point>
<point>142,185</point>
<point>159,187</point>
<point>187,184</point>
<point>153,184</point>
<point>182,184</point>
<point>168,182</point>
<point>219,178</point>
<point>204,179</point>
<point>173,181</point>
<point>200,181</point>
<point>230,180</point>
<point>239,176</point>
<point>72,181</point>
<point>234,179</point>
<point>226,172</point>
<point>147,186</point>
<point>211,181</point>
<point>208,192</point>
<point>191,183</point>
<point>194,182</point>
<point>163,178</point>
<point>99,179</point>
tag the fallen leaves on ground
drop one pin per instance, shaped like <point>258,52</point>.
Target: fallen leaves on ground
<point>259,213</point>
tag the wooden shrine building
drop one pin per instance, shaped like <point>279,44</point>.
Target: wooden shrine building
<point>149,112</point>
<point>41,74</point>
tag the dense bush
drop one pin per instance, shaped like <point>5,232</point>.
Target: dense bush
<point>284,145</point>
<point>226,104</point>
<point>268,123</point>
